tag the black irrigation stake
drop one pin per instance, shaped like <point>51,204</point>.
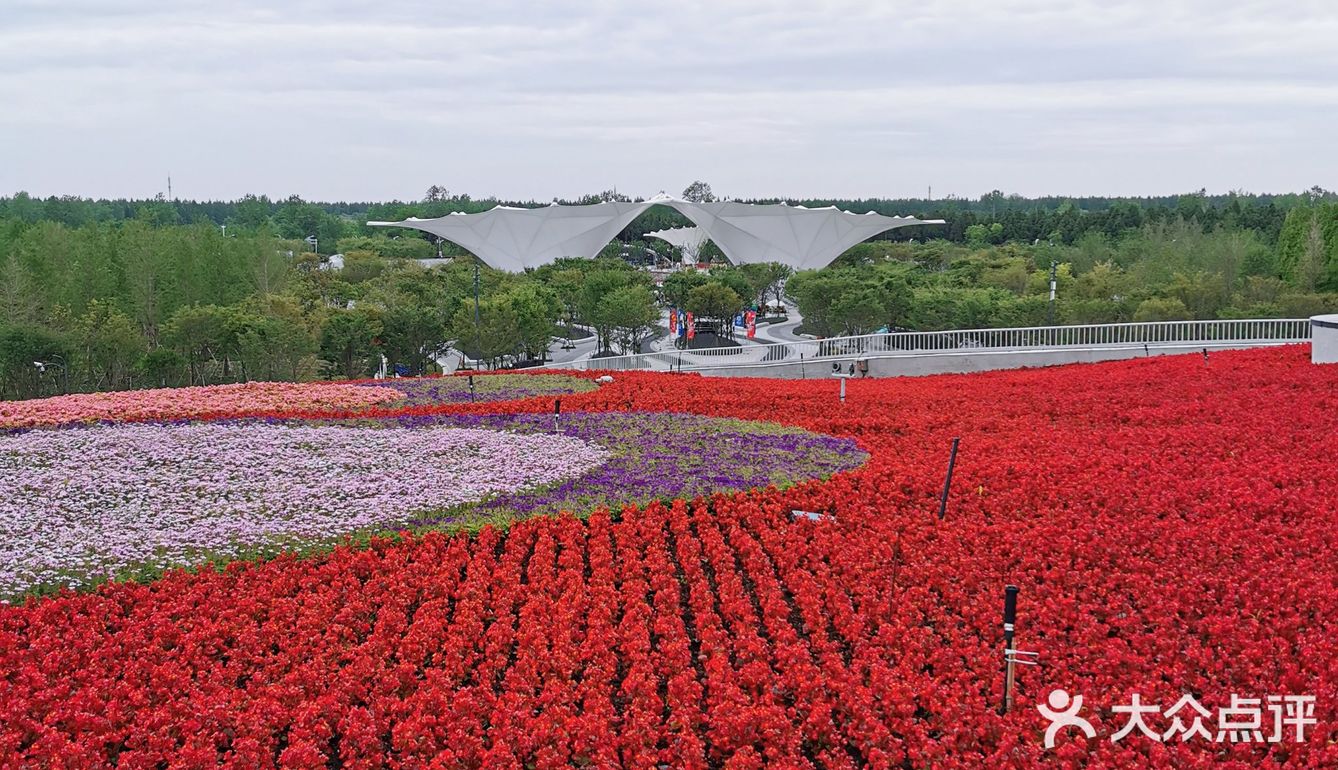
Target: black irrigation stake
<point>947,482</point>
<point>1009,619</point>
<point>471,388</point>
<point>557,412</point>
<point>1205,356</point>
<point>1012,657</point>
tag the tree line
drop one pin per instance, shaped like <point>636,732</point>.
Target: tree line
<point>111,306</point>
<point>99,295</point>
<point>1162,271</point>
<point>1003,217</point>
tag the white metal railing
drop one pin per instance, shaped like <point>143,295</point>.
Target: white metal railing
<point>959,341</point>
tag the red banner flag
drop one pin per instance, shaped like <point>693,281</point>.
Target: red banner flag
<point>673,321</point>
<point>751,320</point>
<point>692,326</point>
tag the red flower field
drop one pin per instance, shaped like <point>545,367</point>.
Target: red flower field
<point>1171,526</point>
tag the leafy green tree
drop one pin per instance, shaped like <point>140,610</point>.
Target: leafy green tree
<point>297,219</point>
<point>678,285</point>
<point>600,283</point>
<point>978,235</point>
<point>108,346</point>
<point>1161,309</point>
<point>251,212</point>
<point>765,280</point>
<point>33,361</point>
<point>816,292</point>
<point>21,302</point>
<point>414,335</point>
<point>158,212</point>
<point>1105,281</point>
<point>350,343</point>
<point>535,310</point>
<point>895,295</point>
<point>273,343</point>
<point>161,368</point>
<point>149,269</point>
<point>362,266</point>
<point>1010,274</point>
<point>715,302</point>
<point>205,337</point>
<point>736,281</point>
<point>1306,304</point>
<point>632,313</point>
<point>859,312</point>
<point>1310,267</point>
<point>1202,294</point>
<point>698,192</point>
<point>946,307</point>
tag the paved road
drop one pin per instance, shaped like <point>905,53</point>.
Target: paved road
<point>766,334</point>
<point>783,331</point>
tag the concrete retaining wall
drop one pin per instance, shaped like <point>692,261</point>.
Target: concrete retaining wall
<point>1324,339</point>
<point>957,362</point>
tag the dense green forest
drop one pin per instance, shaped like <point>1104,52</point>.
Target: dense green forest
<point>99,294</point>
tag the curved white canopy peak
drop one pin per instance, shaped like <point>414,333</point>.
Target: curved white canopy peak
<point>514,239</point>
<point>689,239</point>
<point>799,237</point>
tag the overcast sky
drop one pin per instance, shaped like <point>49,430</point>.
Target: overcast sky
<point>377,100</point>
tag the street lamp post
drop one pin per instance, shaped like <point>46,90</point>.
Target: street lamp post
<point>478,334</point>
<point>64,372</point>
<point>1054,276</point>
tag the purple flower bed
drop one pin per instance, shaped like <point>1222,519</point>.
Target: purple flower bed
<point>654,456</point>
<point>419,391</point>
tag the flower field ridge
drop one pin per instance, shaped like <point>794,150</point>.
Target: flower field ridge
<point>1169,522</point>
<point>487,387</point>
<point>180,403</point>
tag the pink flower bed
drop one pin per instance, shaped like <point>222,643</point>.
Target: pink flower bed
<point>179,403</point>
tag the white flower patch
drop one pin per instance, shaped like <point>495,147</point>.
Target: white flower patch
<point>80,504</point>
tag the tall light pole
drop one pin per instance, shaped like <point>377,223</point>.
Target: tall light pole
<point>1054,276</point>
<point>58,361</point>
<point>478,334</point>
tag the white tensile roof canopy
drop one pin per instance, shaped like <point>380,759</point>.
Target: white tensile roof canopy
<point>689,239</point>
<point>514,239</point>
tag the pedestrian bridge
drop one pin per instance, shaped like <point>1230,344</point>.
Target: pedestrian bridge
<point>893,354</point>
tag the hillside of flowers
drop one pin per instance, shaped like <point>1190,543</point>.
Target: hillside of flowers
<point>1170,523</point>
<point>271,398</point>
<point>178,403</point>
<point>81,505</point>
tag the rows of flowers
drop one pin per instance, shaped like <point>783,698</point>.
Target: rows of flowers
<point>1169,523</point>
<point>178,403</point>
